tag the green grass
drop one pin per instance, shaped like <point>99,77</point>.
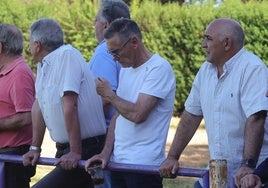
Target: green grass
<point>179,182</point>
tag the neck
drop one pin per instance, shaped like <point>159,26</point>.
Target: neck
<point>145,56</point>
<point>7,60</point>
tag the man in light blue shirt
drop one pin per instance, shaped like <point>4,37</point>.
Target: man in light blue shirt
<point>102,63</point>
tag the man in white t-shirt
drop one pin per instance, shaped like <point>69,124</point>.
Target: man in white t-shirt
<point>229,93</point>
<point>144,103</point>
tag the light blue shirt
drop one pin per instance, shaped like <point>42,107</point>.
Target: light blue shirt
<point>102,65</point>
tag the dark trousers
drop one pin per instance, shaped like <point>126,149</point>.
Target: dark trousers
<point>197,184</point>
<point>135,180</point>
<point>78,177</point>
<point>17,175</point>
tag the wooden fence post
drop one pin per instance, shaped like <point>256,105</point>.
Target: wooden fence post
<point>218,173</point>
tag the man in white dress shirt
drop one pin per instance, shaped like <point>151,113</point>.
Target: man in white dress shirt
<point>229,93</point>
<point>67,104</point>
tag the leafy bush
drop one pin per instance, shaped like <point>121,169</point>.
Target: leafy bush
<point>173,31</point>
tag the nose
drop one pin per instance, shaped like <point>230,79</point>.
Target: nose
<point>94,23</point>
<point>203,43</point>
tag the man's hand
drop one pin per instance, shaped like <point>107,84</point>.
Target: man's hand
<point>251,181</point>
<point>104,89</point>
<point>96,159</point>
<point>169,168</point>
<point>69,160</point>
<point>31,158</point>
<point>243,171</point>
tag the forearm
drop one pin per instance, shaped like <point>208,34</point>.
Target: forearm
<point>109,141</point>
<point>185,131</point>
<point>136,112</point>
<point>70,109</point>
<point>73,130</point>
<point>39,126</point>
<point>106,106</point>
<point>125,108</point>
<point>15,121</point>
<point>254,133</point>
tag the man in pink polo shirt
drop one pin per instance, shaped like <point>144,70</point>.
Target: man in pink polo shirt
<point>16,100</point>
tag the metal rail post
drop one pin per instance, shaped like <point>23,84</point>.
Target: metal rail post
<point>2,174</point>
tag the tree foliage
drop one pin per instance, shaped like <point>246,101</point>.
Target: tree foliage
<point>173,30</point>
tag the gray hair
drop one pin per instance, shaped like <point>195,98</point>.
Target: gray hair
<point>124,28</point>
<point>113,9</point>
<point>231,28</point>
<point>48,32</point>
<point>11,39</point>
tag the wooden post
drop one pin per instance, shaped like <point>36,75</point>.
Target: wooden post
<point>218,173</point>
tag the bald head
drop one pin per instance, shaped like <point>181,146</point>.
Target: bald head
<point>229,28</point>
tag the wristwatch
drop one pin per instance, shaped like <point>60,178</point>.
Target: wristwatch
<point>251,163</point>
<point>35,148</point>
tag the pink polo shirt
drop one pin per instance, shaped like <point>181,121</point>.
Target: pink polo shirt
<point>16,95</point>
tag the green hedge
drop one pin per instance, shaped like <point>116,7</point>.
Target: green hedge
<point>173,31</point>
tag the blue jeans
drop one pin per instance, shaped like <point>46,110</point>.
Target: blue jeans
<point>135,180</point>
<point>78,177</point>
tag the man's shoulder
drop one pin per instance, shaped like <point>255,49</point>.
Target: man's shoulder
<point>66,48</point>
<point>22,68</point>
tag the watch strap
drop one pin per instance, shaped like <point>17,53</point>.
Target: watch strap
<point>251,163</point>
<point>35,148</point>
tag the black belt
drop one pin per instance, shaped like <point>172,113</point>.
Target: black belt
<point>90,140</point>
<point>14,149</point>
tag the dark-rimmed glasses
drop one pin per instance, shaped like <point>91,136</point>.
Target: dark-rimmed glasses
<point>116,53</point>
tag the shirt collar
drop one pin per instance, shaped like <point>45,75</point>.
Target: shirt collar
<point>230,63</point>
<point>12,66</point>
<point>49,58</point>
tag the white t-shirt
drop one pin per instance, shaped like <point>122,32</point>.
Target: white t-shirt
<point>227,102</point>
<point>144,143</point>
<point>62,70</point>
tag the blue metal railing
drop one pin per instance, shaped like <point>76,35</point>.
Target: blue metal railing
<point>146,169</point>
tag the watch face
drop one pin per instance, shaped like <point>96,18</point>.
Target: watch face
<point>250,163</point>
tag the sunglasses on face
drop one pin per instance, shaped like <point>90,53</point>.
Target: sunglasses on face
<point>116,53</point>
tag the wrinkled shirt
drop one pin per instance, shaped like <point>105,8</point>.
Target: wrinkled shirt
<point>144,143</point>
<point>62,70</point>
<point>227,102</point>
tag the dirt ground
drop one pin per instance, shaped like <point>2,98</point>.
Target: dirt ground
<point>196,152</point>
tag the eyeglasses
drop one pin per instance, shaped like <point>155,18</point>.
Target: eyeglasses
<point>116,53</point>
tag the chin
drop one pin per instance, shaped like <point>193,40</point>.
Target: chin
<point>208,59</point>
